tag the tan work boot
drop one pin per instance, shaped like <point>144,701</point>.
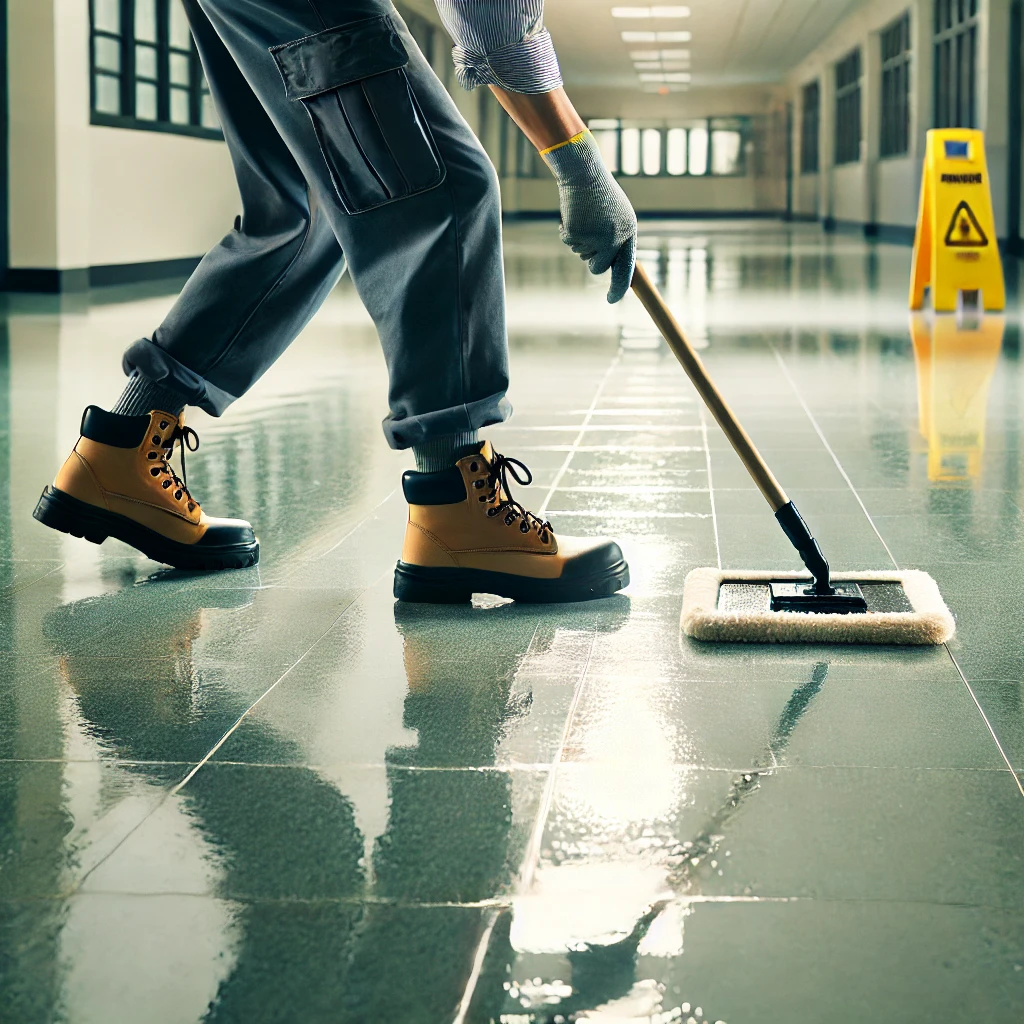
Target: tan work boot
<point>467,535</point>
<point>118,482</point>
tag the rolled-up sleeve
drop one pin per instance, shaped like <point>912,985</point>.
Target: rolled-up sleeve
<point>501,42</point>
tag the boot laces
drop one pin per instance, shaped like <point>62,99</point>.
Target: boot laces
<point>501,468</point>
<point>189,439</point>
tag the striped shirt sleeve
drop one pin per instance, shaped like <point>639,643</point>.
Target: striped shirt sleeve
<point>501,42</point>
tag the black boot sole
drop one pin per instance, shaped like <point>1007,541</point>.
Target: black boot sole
<point>457,586</point>
<point>61,511</point>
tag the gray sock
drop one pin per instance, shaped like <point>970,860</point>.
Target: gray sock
<point>443,452</point>
<point>142,396</point>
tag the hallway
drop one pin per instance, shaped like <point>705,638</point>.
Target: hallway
<point>276,795</point>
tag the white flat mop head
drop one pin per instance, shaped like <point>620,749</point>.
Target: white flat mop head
<point>904,607</point>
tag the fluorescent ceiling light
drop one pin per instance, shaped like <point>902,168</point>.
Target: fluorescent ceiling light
<point>648,65</point>
<point>661,76</point>
<point>656,37</point>
<point>675,65</point>
<point>675,54</point>
<point>650,12</point>
<point>645,55</point>
<point>600,123</point>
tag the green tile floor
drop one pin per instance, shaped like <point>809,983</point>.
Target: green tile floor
<point>277,796</point>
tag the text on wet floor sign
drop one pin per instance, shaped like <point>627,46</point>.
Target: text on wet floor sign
<point>955,245</point>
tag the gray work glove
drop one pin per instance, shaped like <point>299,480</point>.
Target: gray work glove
<point>598,221</point>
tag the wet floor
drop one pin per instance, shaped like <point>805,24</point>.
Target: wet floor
<point>276,795</point>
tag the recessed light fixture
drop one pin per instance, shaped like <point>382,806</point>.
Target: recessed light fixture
<point>650,12</point>
<point>661,76</point>
<point>656,37</point>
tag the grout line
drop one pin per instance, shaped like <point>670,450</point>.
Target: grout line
<point>477,969</point>
<point>828,448</point>
<point>612,366</point>
<point>711,486</point>
<point>985,719</point>
<point>362,522</point>
<point>213,750</point>
<point>273,686</point>
<point>952,657</point>
<point>532,855</point>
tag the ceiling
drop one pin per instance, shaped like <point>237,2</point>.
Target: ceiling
<point>734,42</point>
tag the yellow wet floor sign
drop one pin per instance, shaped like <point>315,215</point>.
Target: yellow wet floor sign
<point>955,245</point>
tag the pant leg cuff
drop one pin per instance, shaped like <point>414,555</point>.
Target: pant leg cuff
<point>159,366</point>
<point>410,430</point>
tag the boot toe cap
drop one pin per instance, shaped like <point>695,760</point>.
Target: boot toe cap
<point>227,533</point>
<point>588,557</point>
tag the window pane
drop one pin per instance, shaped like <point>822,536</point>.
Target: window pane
<point>180,36</point>
<point>180,113</point>
<point>726,147</point>
<point>108,94</point>
<point>107,54</point>
<point>107,15</point>
<point>676,151</point>
<point>698,151</point>
<point>209,113</point>
<point>651,149</point>
<point>630,150</point>
<point>145,20</point>
<point>181,69</point>
<point>145,101</point>
<point>145,62</point>
<point>608,142</point>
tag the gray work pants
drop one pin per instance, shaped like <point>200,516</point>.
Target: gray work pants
<point>347,149</point>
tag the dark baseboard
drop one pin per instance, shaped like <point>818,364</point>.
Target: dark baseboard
<point>135,273</point>
<point>662,215</point>
<point>45,280</point>
<point>79,279</point>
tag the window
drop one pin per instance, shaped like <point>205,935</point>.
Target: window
<point>956,40</point>
<point>895,128</point>
<point>146,71</point>
<point>847,143</point>
<point>810,118</point>
<point>717,146</point>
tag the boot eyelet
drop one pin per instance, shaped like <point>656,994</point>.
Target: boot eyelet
<point>478,484</point>
<point>166,484</point>
<point>177,495</point>
<point>491,512</point>
<point>191,506</point>
<point>483,497</point>
<point>163,424</point>
<point>523,528</point>
<point>473,467</point>
<point>154,471</point>
<point>156,439</point>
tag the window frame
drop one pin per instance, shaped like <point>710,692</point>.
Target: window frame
<point>849,126</point>
<point>954,40</point>
<point>127,78</point>
<point>810,128</point>
<point>896,52</point>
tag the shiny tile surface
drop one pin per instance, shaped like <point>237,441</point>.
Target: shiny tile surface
<point>274,795</point>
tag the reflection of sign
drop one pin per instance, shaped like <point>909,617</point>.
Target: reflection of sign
<point>952,250</point>
<point>964,231</point>
<point>954,369</point>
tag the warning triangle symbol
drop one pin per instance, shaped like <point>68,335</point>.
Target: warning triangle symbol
<point>964,231</point>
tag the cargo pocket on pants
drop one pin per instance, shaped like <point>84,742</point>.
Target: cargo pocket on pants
<point>372,132</point>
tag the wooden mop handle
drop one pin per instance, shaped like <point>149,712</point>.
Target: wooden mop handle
<point>673,334</point>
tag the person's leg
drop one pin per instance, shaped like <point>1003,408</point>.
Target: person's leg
<point>411,195</point>
<point>247,300</point>
<point>257,288</point>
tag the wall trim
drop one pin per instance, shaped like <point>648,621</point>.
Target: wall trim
<point>661,215</point>
<point>51,281</point>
